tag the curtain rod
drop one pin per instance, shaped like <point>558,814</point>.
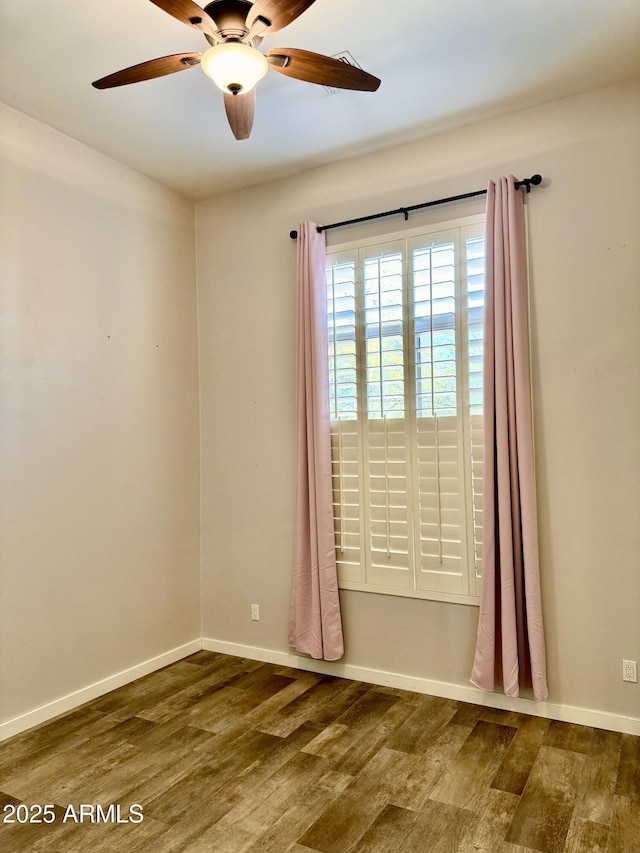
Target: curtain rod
<point>533,181</point>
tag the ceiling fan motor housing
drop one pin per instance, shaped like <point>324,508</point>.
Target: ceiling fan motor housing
<point>230,17</point>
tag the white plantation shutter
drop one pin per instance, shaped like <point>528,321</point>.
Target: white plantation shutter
<point>476,432</point>
<point>405,375</point>
<point>345,453</point>
<point>386,489</point>
<point>440,497</point>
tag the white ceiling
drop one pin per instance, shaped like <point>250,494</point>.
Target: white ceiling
<point>441,64</point>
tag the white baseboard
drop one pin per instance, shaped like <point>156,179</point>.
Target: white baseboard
<point>99,688</point>
<point>446,690</point>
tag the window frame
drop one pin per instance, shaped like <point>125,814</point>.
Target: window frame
<point>407,235</point>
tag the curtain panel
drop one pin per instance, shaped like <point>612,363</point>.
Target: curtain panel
<point>315,625</point>
<point>510,647</point>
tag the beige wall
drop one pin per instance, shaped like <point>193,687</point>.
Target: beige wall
<point>99,527</point>
<point>584,230</point>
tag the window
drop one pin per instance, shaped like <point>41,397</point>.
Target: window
<point>405,378</point>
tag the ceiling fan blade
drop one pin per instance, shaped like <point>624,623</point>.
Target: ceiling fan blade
<point>279,13</point>
<point>149,70</point>
<point>240,112</point>
<point>324,70</point>
<point>189,13</point>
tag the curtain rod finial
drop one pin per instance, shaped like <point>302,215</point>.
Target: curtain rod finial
<point>293,235</point>
<point>527,183</point>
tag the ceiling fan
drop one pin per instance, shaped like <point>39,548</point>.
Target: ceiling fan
<point>233,29</point>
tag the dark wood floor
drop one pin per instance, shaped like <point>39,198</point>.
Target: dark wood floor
<point>226,755</point>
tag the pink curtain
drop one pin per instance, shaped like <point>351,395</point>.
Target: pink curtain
<point>315,626</point>
<point>510,647</point>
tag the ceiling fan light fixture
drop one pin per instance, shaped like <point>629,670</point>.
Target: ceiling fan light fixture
<point>234,67</point>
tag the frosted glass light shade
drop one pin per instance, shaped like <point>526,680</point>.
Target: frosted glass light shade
<point>234,67</point>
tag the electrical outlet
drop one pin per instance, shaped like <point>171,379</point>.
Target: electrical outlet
<point>630,670</point>
<point>255,612</point>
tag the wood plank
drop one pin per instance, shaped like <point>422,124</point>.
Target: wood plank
<point>595,798</point>
<point>192,695</point>
<point>495,813</point>
<point>127,769</point>
<point>178,801</point>
<point>108,768</point>
<point>204,657</point>
<point>253,817</point>
<point>263,683</point>
<point>389,831</point>
<point>545,810</point>
<point>323,702</point>
<point>467,715</point>
<point>127,730</point>
<point>361,748</point>
<point>475,765</point>
<point>32,761</point>
<point>414,777</point>
<point>235,839</point>
<point>424,724</point>
<point>181,835</point>
<point>505,718</point>
<point>339,828</point>
<point>437,828</point>
<point>352,726</point>
<point>18,837</point>
<point>585,836</point>
<point>149,786</point>
<point>269,708</point>
<point>275,762</point>
<point>103,838</point>
<point>52,780</point>
<point>300,811</point>
<point>70,728</point>
<point>624,835</point>
<point>7,799</point>
<point>628,782</point>
<point>568,736</point>
<point>257,717</point>
<point>131,698</point>
<point>143,765</point>
<point>516,765</point>
<point>219,712</point>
